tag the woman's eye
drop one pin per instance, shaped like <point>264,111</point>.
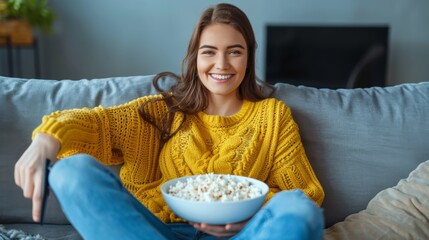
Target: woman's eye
<point>235,52</point>
<point>207,52</point>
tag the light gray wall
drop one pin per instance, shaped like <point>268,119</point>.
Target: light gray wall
<point>104,38</point>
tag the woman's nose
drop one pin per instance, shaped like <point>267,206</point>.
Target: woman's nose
<point>222,62</point>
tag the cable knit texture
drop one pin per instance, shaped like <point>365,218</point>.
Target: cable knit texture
<point>260,141</point>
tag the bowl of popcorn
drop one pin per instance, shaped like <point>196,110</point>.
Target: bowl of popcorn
<point>214,198</point>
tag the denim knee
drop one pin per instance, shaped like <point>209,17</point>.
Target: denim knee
<point>69,173</point>
<point>296,203</point>
<point>287,215</point>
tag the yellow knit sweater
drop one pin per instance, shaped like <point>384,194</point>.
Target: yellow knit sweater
<point>260,141</point>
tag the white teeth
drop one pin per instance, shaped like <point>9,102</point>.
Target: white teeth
<point>221,77</point>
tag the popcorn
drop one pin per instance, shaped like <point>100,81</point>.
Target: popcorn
<point>215,188</point>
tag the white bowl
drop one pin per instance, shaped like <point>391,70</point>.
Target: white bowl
<point>215,212</point>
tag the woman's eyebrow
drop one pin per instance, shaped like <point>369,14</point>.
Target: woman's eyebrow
<point>231,46</point>
<point>236,46</point>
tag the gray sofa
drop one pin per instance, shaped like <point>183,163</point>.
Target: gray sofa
<point>361,143</point>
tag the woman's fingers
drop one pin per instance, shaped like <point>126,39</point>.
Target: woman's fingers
<point>20,170</point>
<point>28,186</point>
<point>220,230</point>
<point>217,230</point>
<point>29,169</point>
<point>25,170</point>
<point>37,198</point>
<point>28,176</point>
<point>235,226</point>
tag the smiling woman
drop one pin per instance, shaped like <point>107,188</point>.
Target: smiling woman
<point>214,119</point>
<point>221,64</point>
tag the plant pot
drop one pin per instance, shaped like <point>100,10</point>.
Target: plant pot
<point>19,31</point>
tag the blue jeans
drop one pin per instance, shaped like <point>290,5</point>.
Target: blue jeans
<point>99,207</point>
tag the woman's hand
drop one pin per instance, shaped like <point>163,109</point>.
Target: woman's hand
<point>29,169</point>
<point>227,230</point>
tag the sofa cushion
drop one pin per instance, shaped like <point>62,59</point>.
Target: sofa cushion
<point>400,212</point>
<point>360,141</point>
<point>23,103</point>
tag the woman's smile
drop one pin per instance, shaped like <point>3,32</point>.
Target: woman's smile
<point>221,77</point>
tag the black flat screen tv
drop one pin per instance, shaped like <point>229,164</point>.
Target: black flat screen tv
<point>327,56</point>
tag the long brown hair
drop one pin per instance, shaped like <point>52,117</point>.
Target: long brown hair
<point>188,95</point>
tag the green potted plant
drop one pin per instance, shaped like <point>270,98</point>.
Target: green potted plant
<point>19,17</point>
<point>35,12</point>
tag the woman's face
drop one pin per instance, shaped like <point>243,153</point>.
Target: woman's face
<point>222,59</point>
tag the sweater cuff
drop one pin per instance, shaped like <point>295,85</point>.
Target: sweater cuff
<point>52,127</point>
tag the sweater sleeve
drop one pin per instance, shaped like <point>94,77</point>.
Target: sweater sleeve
<point>105,133</point>
<point>291,168</point>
